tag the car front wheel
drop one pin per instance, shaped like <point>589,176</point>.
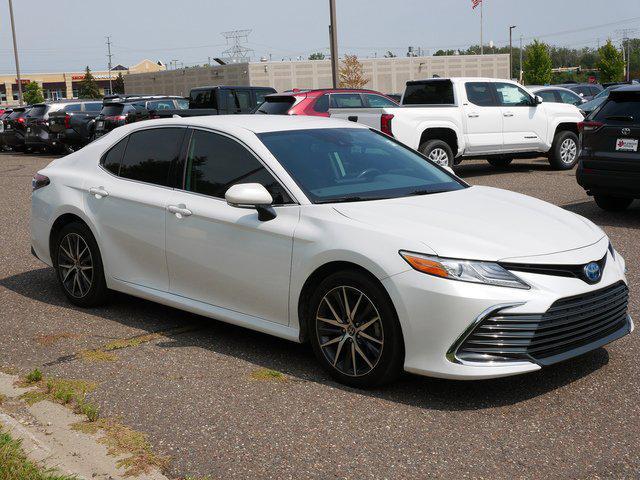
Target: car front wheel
<point>354,330</point>
<point>78,266</point>
<point>564,151</point>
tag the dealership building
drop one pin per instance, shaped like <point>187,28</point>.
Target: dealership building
<point>387,75</point>
<point>57,86</point>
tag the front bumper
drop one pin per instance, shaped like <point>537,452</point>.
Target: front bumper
<point>436,315</point>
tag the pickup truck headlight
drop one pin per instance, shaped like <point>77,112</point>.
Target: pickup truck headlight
<point>488,273</point>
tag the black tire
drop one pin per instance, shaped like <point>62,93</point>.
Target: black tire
<point>91,287</point>
<point>612,204</point>
<point>500,162</point>
<point>430,149</point>
<point>558,158</point>
<point>384,361</point>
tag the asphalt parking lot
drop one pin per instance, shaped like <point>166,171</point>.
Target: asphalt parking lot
<point>195,385</point>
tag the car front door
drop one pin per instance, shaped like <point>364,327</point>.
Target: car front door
<point>483,119</point>
<point>222,255</point>
<point>127,202</point>
<point>525,122</point>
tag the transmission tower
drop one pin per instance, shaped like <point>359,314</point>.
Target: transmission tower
<point>237,53</point>
<point>626,49</point>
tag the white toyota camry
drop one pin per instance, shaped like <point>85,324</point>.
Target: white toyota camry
<point>329,232</point>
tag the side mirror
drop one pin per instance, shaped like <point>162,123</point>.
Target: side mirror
<point>251,195</point>
<point>539,100</point>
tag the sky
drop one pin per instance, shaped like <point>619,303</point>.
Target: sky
<point>67,35</point>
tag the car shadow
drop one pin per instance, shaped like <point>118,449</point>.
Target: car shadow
<point>297,361</point>
<point>629,218</point>
<point>468,170</point>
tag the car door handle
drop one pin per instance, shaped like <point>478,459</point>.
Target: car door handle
<point>352,118</point>
<point>508,114</point>
<point>474,115</point>
<point>179,211</point>
<point>98,192</point>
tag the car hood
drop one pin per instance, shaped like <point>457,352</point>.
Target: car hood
<point>479,223</point>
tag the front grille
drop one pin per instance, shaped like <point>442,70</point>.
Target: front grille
<point>570,323</point>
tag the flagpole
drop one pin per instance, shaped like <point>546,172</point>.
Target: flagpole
<point>481,21</point>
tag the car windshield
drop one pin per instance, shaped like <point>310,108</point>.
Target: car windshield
<point>348,165</point>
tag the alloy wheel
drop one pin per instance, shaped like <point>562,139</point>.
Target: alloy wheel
<point>76,265</point>
<point>568,151</point>
<point>349,331</point>
<point>439,156</point>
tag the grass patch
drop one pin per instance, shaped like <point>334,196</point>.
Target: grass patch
<point>14,464</point>
<point>97,356</point>
<point>59,391</point>
<point>88,409</point>
<point>122,440</point>
<point>3,398</point>
<point>268,374</point>
<point>131,342</point>
<point>34,376</point>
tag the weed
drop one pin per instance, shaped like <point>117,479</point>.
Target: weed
<point>34,376</point>
<point>88,409</point>
<point>97,356</point>
<point>268,374</point>
<point>3,398</point>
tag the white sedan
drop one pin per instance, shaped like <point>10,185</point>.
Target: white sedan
<point>329,232</point>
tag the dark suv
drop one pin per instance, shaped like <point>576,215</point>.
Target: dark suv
<point>14,128</point>
<point>38,134</point>
<point>71,127</point>
<point>609,162</point>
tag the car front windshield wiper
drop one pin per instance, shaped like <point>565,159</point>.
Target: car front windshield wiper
<point>622,118</point>
<point>350,199</point>
<point>425,192</point>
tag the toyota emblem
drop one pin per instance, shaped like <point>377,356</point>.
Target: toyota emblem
<point>626,131</point>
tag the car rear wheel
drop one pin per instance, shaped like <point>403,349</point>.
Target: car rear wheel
<point>564,151</point>
<point>438,152</point>
<point>354,330</point>
<point>612,204</point>
<point>78,266</point>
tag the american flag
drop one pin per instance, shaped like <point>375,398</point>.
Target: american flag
<point>475,3</point>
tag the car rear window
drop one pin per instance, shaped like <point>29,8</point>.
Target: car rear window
<point>93,107</point>
<point>346,100</point>
<point>435,92</point>
<point>37,111</point>
<point>623,107</point>
<point>74,107</point>
<point>276,105</point>
<point>111,110</point>
<point>203,99</point>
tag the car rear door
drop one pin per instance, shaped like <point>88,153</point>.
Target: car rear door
<point>610,140</point>
<point>482,118</point>
<point>127,200</point>
<point>524,124</point>
<point>222,255</point>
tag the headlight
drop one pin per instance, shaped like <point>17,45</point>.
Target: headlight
<point>488,273</point>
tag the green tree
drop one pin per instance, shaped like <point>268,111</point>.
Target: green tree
<point>32,94</point>
<point>390,54</point>
<point>117,85</point>
<point>316,56</point>
<point>88,87</point>
<point>610,63</point>
<point>537,64</point>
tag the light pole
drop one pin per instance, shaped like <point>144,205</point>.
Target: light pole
<point>15,52</point>
<point>333,38</point>
<point>511,50</point>
<point>521,71</point>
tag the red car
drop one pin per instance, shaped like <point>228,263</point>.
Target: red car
<point>318,102</point>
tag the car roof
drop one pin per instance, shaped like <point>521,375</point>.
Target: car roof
<point>256,123</point>
<point>244,87</point>
<point>627,88</point>
<point>316,92</point>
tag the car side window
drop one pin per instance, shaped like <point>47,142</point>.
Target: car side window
<point>150,153</point>
<point>322,104</point>
<point>569,97</point>
<point>510,95</point>
<point>76,107</point>
<point>216,162</point>
<point>346,100</point>
<point>378,101</point>
<point>111,160</point>
<point>548,96</point>
<point>93,106</point>
<point>480,93</point>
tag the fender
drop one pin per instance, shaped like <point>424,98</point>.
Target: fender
<point>410,132</point>
<point>553,126</point>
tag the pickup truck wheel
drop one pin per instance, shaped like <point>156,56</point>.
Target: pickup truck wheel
<point>612,204</point>
<point>564,151</point>
<point>438,152</point>
<point>500,162</point>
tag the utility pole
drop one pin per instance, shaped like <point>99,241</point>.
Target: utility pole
<point>333,37</point>
<point>511,50</point>
<point>521,71</point>
<point>109,56</point>
<point>481,22</point>
<point>15,52</point>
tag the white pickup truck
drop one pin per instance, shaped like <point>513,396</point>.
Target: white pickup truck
<point>449,119</point>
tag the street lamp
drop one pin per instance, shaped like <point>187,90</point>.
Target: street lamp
<point>511,50</point>
<point>333,37</point>
<point>15,53</point>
